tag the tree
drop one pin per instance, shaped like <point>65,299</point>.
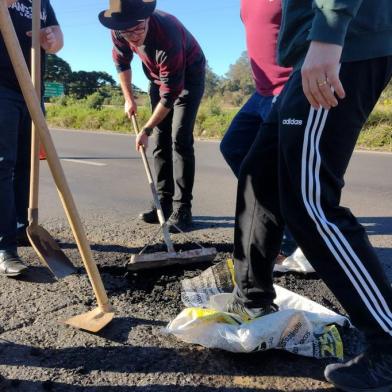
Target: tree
<point>240,76</point>
<point>57,69</point>
<point>212,82</point>
<point>83,83</point>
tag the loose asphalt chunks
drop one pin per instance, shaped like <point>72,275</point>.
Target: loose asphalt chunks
<point>171,257</point>
<point>98,318</point>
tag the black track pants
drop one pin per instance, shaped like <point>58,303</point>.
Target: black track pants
<point>294,174</point>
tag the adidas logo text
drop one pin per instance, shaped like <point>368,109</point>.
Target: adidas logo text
<point>291,121</point>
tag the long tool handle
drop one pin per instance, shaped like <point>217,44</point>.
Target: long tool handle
<point>36,79</point>
<point>161,217</point>
<point>35,110</point>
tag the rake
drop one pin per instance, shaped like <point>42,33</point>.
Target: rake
<point>143,261</point>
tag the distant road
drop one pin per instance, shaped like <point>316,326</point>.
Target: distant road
<point>107,178</point>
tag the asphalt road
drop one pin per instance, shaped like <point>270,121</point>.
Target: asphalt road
<point>107,177</point>
<point>40,354</point>
<point>108,181</point>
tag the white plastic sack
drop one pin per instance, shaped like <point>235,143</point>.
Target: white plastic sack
<point>301,326</point>
<point>296,262</point>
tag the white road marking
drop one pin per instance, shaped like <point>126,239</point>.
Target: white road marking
<point>84,162</point>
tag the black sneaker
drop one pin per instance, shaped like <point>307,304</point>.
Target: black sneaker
<point>151,216</point>
<point>370,371</point>
<point>181,218</point>
<point>247,314</point>
<point>11,264</point>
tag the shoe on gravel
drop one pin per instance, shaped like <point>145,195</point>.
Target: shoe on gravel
<point>151,216</point>
<point>11,264</point>
<point>248,314</point>
<point>181,219</point>
<point>370,371</point>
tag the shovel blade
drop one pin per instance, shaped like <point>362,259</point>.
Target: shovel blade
<point>165,259</point>
<point>92,321</point>
<point>49,252</point>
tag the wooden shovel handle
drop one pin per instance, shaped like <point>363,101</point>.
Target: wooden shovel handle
<point>34,106</point>
<point>161,216</point>
<point>36,79</point>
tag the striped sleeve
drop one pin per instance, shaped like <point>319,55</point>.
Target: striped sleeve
<point>122,53</point>
<point>171,63</point>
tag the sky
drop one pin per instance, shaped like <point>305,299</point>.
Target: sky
<point>216,25</point>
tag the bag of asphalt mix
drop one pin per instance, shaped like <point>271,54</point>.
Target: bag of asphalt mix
<point>301,326</point>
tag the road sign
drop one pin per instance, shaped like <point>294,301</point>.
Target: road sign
<point>53,89</point>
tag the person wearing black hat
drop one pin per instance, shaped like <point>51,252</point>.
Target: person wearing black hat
<point>175,65</point>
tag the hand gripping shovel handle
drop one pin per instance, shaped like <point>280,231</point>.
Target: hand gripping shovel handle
<point>154,192</point>
<point>35,110</point>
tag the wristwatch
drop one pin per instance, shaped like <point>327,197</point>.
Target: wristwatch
<point>148,130</point>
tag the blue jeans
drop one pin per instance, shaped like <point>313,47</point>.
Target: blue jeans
<point>15,142</point>
<point>243,130</point>
<point>239,138</point>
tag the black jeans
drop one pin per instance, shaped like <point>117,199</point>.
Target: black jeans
<point>239,138</point>
<point>15,143</point>
<point>294,175</point>
<point>174,157</point>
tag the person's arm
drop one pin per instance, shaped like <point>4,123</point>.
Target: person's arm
<point>122,57</point>
<point>320,75</point>
<point>331,20</point>
<point>130,106</point>
<point>320,71</point>
<point>158,115</point>
<point>172,75</point>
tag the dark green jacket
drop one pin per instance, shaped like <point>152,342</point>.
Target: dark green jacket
<point>362,27</point>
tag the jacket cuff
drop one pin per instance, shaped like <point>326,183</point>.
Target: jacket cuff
<point>122,67</point>
<point>167,102</point>
<point>329,26</point>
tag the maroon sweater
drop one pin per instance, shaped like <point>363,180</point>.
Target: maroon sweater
<point>170,55</point>
<point>262,20</point>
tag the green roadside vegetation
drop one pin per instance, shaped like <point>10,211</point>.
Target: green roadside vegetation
<point>377,134</point>
<point>93,101</point>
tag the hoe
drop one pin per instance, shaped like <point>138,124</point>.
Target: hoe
<point>102,315</point>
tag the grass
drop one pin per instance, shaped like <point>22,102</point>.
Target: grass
<point>377,133</point>
<point>212,121</point>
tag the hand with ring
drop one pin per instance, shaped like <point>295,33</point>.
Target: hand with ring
<point>320,75</point>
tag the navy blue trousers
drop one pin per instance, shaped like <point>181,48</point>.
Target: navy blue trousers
<point>15,144</point>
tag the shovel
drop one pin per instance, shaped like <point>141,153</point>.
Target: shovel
<point>45,246</point>
<point>98,318</point>
<point>171,257</point>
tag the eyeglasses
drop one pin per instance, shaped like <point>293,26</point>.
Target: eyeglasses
<point>136,30</point>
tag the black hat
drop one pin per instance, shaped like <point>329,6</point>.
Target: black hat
<point>124,14</point>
